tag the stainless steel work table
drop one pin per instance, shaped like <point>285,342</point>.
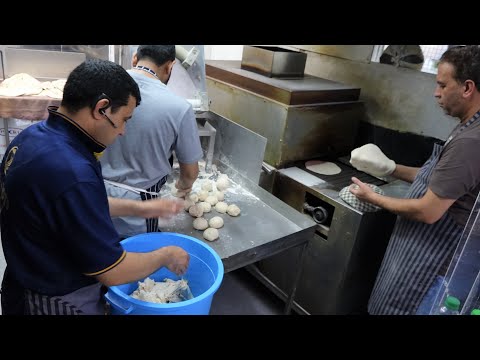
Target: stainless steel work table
<point>266,226</point>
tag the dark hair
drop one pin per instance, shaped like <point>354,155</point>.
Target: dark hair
<point>466,61</point>
<point>159,54</point>
<point>90,79</point>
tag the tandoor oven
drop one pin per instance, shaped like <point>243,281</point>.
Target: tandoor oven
<point>344,255</point>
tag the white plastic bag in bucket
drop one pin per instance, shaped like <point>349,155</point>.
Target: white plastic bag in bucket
<point>204,276</point>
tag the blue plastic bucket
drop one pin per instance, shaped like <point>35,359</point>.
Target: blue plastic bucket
<point>204,276</point>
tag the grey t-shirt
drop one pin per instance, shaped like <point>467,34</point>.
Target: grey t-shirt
<point>457,174</point>
<point>161,124</point>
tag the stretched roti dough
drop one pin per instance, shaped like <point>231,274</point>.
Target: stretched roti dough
<point>323,167</point>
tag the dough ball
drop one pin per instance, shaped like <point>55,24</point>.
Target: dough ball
<point>233,210</point>
<point>221,207</point>
<point>196,210</point>
<point>222,183</point>
<point>200,223</point>
<point>215,222</point>
<point>205,206</point>
<point>187,204</point>
<point>193,197</point>
<point>219,194</point>
<point>202,195</point>
<point>210,234</point>
<point>211,199</point>
<point>207,185</point>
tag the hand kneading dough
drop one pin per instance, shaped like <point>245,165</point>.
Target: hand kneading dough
<point>323,167</point>
<point>215,222</point>
<point>221,207</point>
<point>179,193</point>
<point>196,210</point>
<point>210,234</point>
<point>233,210</point>
<point>205,206</point>
<point>200,223</point>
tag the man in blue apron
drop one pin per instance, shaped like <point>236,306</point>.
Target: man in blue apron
<point>440,199</point>
<point>137,166</point>
<point>59,242</point>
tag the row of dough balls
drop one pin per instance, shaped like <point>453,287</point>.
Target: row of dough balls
<point>221,184</point>
<point>210,227</point>
<point>197,210</point>
<point>212,198</point>
<point>207,189</point>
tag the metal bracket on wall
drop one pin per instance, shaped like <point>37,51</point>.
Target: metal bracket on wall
<point>208,130</point>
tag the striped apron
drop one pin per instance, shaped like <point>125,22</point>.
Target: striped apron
<point>415,254</point>
<point>85,301</point>
<point>145,194</point>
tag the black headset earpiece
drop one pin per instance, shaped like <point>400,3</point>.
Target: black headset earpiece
<point>101,97</point>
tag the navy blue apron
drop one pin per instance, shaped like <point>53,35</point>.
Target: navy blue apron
<point>415,254</point>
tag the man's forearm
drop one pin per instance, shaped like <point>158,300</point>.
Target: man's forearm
<point>123,207</point>
<point>405,173</point>
<point>188,175</point>
<point>427,209</point>
<point>409,208</point>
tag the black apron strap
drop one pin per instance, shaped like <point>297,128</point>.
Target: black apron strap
<point>152,224</point>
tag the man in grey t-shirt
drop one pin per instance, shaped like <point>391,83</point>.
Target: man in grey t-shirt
<point>434,212</point>
<point>164,123</point>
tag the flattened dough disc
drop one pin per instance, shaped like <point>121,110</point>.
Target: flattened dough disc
<point>323,167</point>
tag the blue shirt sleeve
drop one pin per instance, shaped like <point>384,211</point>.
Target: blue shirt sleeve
<point>89,235</point>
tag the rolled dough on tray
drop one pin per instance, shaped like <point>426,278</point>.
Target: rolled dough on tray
<point>323,167</point>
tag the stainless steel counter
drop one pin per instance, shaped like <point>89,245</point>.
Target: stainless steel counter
<point>265,226</point>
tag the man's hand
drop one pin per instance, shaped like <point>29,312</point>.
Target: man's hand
<point>164,208</point>
<point>370,159</point>
<point>361,190</point>
<point>177,260</point>
<point>182,190</point>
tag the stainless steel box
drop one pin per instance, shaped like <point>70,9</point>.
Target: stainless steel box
<point>273,61</point>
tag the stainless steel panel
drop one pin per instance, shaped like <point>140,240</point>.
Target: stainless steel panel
<point>237,147</point>
<point>273,61</point>
<point>293,132</point>
<point>342,258</point>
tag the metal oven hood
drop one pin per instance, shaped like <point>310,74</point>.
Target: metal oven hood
<point>301,118</point>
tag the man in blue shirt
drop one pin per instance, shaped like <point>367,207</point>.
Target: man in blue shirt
<point>58,238</point>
